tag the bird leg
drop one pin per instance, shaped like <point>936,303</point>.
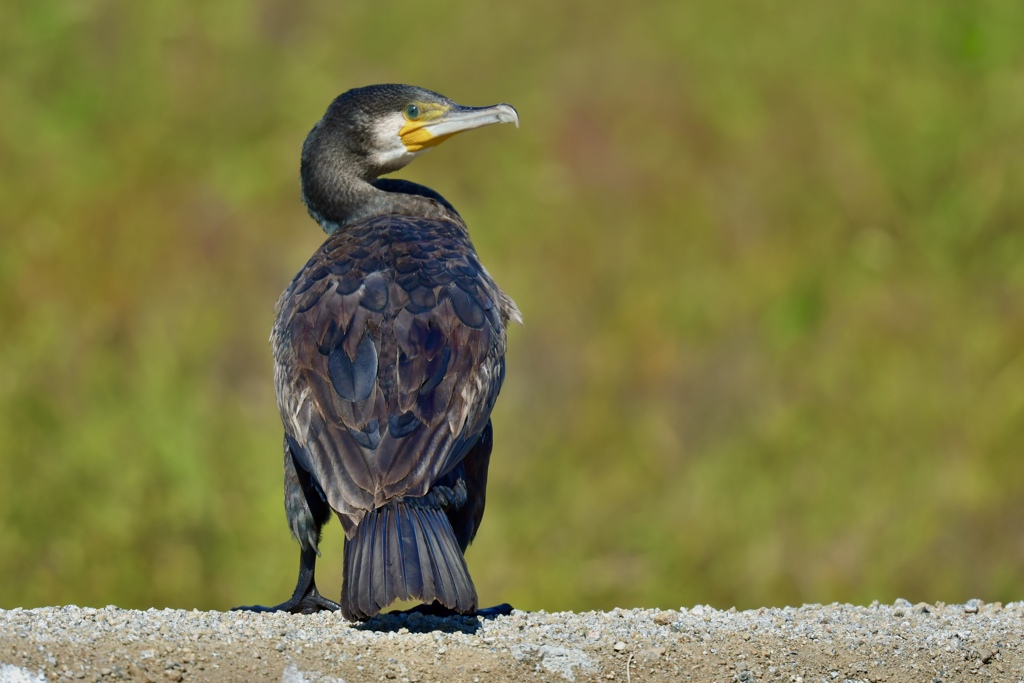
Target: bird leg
<point>306,599</point>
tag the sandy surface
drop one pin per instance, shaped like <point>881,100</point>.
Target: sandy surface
<point>901,642</point>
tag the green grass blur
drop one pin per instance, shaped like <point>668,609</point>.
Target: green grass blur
<point>770,257</point>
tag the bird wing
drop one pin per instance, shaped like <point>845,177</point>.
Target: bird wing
<point>466,519</point>
<point>389,354</point>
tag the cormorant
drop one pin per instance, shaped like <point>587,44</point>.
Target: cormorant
<point>389,352</point>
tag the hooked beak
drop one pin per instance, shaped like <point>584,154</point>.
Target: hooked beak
<point>422,133</point>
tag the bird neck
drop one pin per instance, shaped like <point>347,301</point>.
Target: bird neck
<point>351,200</point>
<point>340,192</point>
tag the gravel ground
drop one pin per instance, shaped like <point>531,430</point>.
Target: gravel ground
<point>900,642</point>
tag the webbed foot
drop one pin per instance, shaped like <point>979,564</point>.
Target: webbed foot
<point>310,603</point>
<point>305,599</point>
<point>436,609</point>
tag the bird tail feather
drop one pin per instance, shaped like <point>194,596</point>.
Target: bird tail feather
<point>404,551</point>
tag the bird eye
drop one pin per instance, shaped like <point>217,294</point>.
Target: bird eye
<point>412,112</point>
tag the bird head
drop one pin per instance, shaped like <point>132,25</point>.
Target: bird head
<point>384,127</point>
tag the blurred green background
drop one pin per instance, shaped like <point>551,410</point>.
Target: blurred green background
<point>770,257</point>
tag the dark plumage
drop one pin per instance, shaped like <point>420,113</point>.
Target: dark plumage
<point>389,350</point>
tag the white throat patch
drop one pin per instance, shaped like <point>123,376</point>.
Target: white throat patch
<point>391,151</point>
